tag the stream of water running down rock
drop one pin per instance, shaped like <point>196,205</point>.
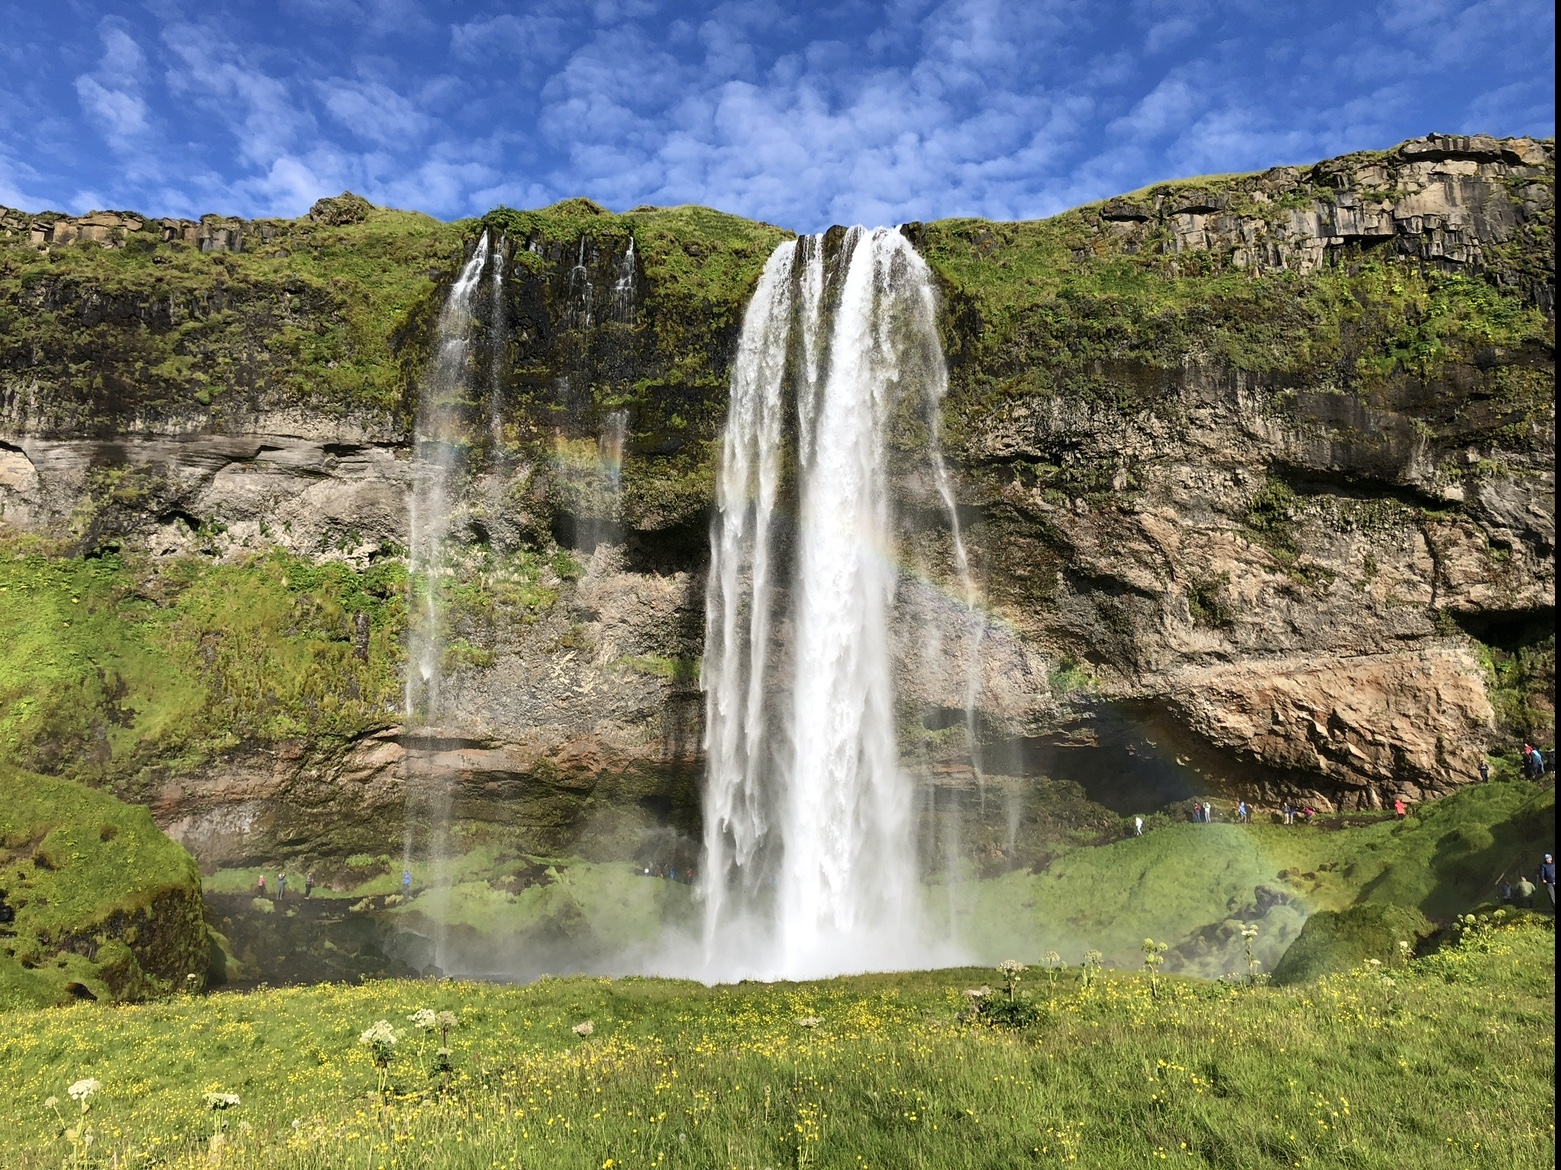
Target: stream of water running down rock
<point>810,856</point>
<point>440,441</point>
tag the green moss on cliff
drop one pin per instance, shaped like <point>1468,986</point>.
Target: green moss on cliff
<point>106,338</point>
<point>114,665</point>
<point>102,899</point>
<point>1049,308</point>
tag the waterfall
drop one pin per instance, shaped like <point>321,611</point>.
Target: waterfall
<point>441,439</point>
<point>438,455</point>
<point>810,859</point>
<point>626,287</point>
<point>497,320</point>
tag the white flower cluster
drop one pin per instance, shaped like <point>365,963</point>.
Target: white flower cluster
<point>220,1100</point>
<point>83,1089</point>
<point>380,1035</point>
<point>585,1028</point>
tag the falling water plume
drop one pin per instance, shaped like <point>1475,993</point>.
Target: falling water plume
<point>810,857</point>
<point>440,443</point>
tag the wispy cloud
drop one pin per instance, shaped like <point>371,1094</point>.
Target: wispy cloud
<point>870,110</point>
<point>111,94</point>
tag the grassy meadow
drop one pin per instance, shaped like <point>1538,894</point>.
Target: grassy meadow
<point>1441,1060</point>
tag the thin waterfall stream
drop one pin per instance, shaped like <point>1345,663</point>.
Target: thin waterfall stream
<point>441,442</point>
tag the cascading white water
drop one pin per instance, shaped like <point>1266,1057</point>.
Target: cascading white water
<point>625,289</point>
<point>442,436</point>
<point>810,859</point>
<point>437,450</point>
<point>497,320</point>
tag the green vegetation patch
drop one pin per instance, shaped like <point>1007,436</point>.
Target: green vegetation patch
<point>1334,941</point>
<point>1367,1069</point>
<point>104,905</point>
<point>1052,308</point>
<point>113,664</point>
<point>1197,886</point>
<point>307,313</point>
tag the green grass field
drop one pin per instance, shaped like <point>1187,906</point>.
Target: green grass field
<point>1440,1061</point>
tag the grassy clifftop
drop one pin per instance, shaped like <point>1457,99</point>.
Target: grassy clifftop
<point>105,906</point>
<point>156,323</point>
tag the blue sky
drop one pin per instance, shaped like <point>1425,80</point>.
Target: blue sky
<point>803,115</point>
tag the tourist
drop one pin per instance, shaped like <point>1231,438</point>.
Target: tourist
<point>1308,813</point>
<point>1138,826</point>
<point>308,883</point>
<point>1286,813</point>
<point>1208,813</point>
<point>406,883</point>
<point>1506,892</point>
<point>1547,878</point>
<point>1525,892</point>
<point>1485,771</point>
<point>281,886</point>
<point>1400,809</point>
<point>1241,811</point>
<point>1539,763</point>
<point>260,887</point>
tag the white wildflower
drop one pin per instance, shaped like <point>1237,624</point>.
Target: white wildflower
<point>423,1018</point>
<point>83,1089</point>
<point>445,1020</point>
<point>584,1028</point>
<point>220,1100</point>
<point>381,1035</point>
<point>809,1022</point>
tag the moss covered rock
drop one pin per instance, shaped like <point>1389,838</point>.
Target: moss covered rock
<point>101,904</point>
<point>1335,941</point>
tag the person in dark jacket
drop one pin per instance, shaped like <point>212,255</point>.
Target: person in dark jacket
<point>1547,878</point>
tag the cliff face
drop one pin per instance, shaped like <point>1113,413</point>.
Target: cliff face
<point>1257,472</point>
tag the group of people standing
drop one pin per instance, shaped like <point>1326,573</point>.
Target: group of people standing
<point>670,873</point>
<point>281,886</point>
<point>1521,892</point>
<point>1533,762</point>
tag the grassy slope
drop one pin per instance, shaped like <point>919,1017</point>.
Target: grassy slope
<point>75,860</point>
<point>112,664</point>
<point>1445,1062</point>
<point>1444,860</point>
<point>1051,306</point>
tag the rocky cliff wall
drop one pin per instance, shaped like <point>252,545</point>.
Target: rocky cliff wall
<point>1257,472</point>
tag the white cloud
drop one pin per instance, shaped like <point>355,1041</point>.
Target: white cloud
<point>256,107</point>
<point>111,95</point>
<point>120,113</point>
<point>861,111</point>
<point>374,111</point>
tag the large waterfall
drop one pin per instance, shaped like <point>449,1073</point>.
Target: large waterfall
<point>810,860</point>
